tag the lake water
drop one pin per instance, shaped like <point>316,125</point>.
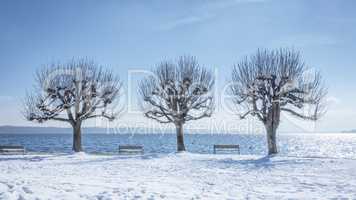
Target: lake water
<point>310,145</point>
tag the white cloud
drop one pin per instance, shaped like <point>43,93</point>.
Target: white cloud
<point>189,20</point>
<point>205,12</point>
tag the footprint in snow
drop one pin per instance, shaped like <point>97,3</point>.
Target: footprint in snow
<point>21,198</point>
<point>10,186</point>
<point>209,183</point>
<point>27,190</point>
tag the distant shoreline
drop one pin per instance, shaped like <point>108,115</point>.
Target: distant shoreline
<point>129,130</point>
<point>350,131</point>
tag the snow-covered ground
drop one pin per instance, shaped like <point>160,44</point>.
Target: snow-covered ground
<point>174,176</point>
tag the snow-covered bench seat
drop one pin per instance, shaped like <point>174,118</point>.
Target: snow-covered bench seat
<point>12,150</point>
<point>226,147</point>
<point>130,149</point>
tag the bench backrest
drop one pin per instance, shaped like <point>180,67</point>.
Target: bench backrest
<point>129,149</point>
<point>226,147</point>
<point>12,150</point>
<point>12,147</point>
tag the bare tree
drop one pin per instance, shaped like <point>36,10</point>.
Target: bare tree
<point>177,93</point>
<point>73,93</point>
<point>269,82</point>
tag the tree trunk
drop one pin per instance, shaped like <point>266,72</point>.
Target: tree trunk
<point>77,138</point>
<point>180,138</point>
<point>271,140</point>
<point>271,128</point>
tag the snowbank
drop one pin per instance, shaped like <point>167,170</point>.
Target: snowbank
<point>174,176</point>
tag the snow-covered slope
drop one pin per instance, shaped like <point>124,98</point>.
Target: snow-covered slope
<point>174,176</point>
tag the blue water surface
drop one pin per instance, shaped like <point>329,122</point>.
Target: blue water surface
<point>306,145</point>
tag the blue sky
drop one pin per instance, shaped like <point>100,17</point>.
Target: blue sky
<point>127,35</point>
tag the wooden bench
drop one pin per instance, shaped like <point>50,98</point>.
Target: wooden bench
<point>12,150</point>
<point>226,147</point>
<point>130,149</point>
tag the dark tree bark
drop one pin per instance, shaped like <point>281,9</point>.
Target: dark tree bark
<point>271,125</point>
<point>73,93</point>
<point>77,137</point>
<point>270,82</point>
<point>180,138</point>
<point>177,93</point>
<point>271,140</point>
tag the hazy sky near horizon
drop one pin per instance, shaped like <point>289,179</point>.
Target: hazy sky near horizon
<point>128,35</point>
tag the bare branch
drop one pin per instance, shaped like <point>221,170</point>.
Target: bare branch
<point>312,117</point>
<point>178,92</point>
<point>79,89</point>
<point>276,78</point>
